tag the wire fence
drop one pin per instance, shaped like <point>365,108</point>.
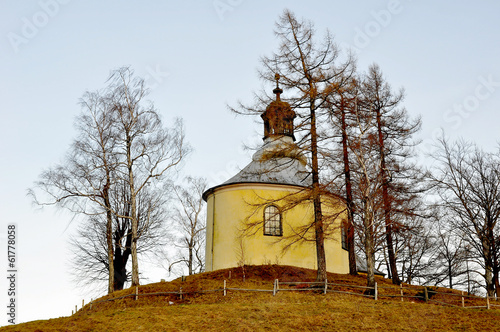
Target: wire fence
<point>425,294</point>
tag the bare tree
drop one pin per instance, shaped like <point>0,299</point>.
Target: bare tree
<point>382,184</point>
<point>122,145</point>
<point>189,216</point>
<point>342,102</point>
<point>82,183</point>
<point>147,150</point>
<point>89,245</point>
<point>367,185</point>
<point>307,69</point>
<point>448,261</point>
<point>394,132</point>
<point>414,244</point>
<point>468,182</point>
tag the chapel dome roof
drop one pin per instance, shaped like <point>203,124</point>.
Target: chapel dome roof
<point>278,161</point>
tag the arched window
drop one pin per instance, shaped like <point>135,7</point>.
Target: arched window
<point>272,221</point>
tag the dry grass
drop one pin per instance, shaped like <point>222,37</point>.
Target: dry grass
<point>256,311</point>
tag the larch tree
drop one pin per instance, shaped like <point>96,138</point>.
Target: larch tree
<point>375,133</point>
<point>342,101</point>
<point>394,130</point>
<point>307,68</point>
<point>367,185</point>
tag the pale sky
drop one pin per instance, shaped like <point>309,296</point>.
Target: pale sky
<point>198,56</point>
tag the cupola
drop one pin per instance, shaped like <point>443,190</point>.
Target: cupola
<point>278,117</point>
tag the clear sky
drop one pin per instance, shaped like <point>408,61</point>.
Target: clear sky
<point>197,56</point>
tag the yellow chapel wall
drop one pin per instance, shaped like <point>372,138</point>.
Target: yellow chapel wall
<point>228,209</point>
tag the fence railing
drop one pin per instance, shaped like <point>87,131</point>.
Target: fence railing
<point>418,293</point>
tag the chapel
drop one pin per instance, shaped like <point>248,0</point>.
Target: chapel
<point>262,215</point>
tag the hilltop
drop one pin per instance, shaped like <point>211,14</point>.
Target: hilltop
<point>259,311</point>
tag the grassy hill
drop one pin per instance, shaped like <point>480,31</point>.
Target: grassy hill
<point>261,311</point>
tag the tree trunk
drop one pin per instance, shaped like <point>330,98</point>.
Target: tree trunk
<point>488,268</point>
<point>369,250</point>
<point>133,216</point>
<point>370,265</point>
<point>133,245</point>
<point>190,263</point>
<point>348,188</point>
<point>496,268</point>
<point>318,216</point>
<point>495,277</point>
<point>120,262</point>
<point>488,276</point>
<point>389,275</point>
<point>121,257</point>
<point>450,277</point>
<point>109,237</point>
<point>387,204</point>
<point>468,276</point>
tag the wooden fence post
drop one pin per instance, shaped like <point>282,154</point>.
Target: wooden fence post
<point>180,293</point>
<point>83,303</point>
<point>401,291</point>
<point>91,303</point>
<point>274,287</point>
<point>463,302</point>
<point>76,309</point>
<point>426,295</point>
<point>326,286</point>
<point>487,301</point>
<point>136,292</point>
<point>225,286</point>
<point>376,291</point>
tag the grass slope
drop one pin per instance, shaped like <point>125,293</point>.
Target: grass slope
<point>257,311</point>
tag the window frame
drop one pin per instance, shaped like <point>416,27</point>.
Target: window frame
<point>270,229</point>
